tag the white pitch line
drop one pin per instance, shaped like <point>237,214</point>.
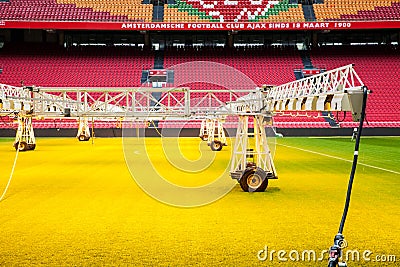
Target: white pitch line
<point>334,157</point>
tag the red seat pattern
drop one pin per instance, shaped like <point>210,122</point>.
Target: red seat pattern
<point>379,13</point>
<point>263,66</point>
<point>350,10</point>
<point>53,66</point>
<point>48,65</point>
<point>76,66</point>
<point>378,67</point>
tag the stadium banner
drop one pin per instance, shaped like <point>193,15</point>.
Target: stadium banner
<point>201,26</point>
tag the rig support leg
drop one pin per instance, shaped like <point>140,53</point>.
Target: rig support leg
<point>83,130</point>
<point>216,137</point>
<point>252,164</point>
<point>203,130</point>
<point>25,137</point>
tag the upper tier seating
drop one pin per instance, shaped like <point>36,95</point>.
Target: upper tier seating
<point>71,10</point>
<point>357,10</point>
<point>379,13</point>
<point>132,9</point>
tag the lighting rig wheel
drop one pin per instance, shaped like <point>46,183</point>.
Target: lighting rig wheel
<point>21,146</point>
<point>216,146</point>
<point>83,138</point>
<point>253,181</point>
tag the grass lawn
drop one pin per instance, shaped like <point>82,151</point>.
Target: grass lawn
<point>76,203</point>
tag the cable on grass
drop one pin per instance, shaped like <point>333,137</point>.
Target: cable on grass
<point>11,175</point>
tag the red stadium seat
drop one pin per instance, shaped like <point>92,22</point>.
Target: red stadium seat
<point>48,65</point>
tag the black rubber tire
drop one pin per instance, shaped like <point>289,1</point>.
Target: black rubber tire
<point>83,138</point>
<point>252,182</point>
<point>216,146</point>
<point>21,146</point>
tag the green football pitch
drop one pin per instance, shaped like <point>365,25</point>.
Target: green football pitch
<point>76,203</point>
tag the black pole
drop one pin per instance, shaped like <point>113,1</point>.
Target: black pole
<point>335,251</point>
<point>355,159</point>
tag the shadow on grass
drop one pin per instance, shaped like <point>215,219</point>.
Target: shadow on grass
<point>269,190</point>
<point>272,190</point>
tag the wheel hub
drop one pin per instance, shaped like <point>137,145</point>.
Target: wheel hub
<point>254,181</point>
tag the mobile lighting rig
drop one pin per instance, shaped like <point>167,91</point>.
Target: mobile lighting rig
<point>252,163</point>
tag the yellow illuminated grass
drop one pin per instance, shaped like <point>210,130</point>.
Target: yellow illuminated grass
<point>187,161</point>
<point>74,203</point>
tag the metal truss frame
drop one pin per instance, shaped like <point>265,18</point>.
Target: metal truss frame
<point>340,89</point>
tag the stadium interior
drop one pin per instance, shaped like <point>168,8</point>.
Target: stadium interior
<point>261,69</point>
